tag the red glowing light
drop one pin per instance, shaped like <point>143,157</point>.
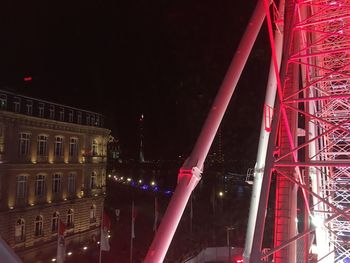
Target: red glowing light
<point>26,79</point>
<point>239,260</point>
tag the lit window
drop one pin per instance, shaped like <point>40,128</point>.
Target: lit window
<point>70,116</point>
<point>21,188</point>
<point>54,221</point>
<point>3,101</point>
<point>58,147</point>
<point>56,183</point>
<point>17,104</point>
<point>38,226</point>
<point>70,218</point>
<point>94,147</point>
<point>20,230</point>
<point>40,185</point>
<point>93,214</point>
<point>42,145</point>
<point>41,110</point>
<point>73,147</point>
<point>24,143</point>
<point>29,107</point>
<point>93,180</point>
<point>62,114</point>
<point>71,183</point>
<point>52,112</point>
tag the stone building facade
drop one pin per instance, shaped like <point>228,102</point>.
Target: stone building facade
<point>52,167</point>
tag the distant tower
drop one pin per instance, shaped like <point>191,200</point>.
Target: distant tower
<point>141,155</point>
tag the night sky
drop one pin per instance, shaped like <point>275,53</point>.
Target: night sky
<point>163,59</point>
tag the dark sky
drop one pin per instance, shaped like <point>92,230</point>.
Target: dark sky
<point>165,59</point>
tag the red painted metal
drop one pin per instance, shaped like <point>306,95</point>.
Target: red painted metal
<point>313,95</point>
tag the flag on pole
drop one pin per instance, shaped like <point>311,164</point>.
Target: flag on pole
<point>133,217</point>
<point>105,227</point>
<point>61,248</point>
<point>156,214</point>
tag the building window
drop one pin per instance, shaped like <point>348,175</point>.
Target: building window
<point>54,221</point>
<point>40,185</point>
<point>58,147</point>
<point>93,180</point>
<point>87,119</point>
<point>52,112</point>
<point>62,114</point>
<point>22,181</point>
<point>97,123</point>
<point>94,147</point>
<point>41,110</point>
<point>20,230</point>
<point>70,218</point>
<point>93,214</point>
<point>42,145</point>
<point>29,106</point>
<point>56,183</point>
<point>17,104</point>
<point>71,183</point>
<point>24,143</point>
<point>73,147</point>
<point>38,226</point>
<point>70,116</point>
<point>92,120</point>
<point>3,101</point>
<point>79,117</point>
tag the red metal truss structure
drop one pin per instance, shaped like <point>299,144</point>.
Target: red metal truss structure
<point>308,154</point>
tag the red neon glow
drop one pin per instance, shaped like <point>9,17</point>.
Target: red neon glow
<point>29,78</point>
<point>239,260</point>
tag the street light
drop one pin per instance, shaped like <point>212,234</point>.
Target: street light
<point>228,229</point>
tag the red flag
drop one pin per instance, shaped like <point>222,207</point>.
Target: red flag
<point>105,227</point>
<point>61,228</point>
<point>61,248</point>
<point>106,221</point>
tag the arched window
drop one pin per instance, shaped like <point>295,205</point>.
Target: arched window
<point>20,230</point>
<point>93,214</point>
<point>38,226</point>
<point>93,180</point>
<point>54,221</point>
<point>70,218</point>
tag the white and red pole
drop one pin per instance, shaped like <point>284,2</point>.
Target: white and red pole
<point>190,172</point>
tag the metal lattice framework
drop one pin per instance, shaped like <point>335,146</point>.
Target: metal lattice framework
<point>314,96</point>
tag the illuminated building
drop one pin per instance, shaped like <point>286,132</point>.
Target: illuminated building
<point>53,167</point>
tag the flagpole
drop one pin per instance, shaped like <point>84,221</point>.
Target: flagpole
<point>101,226</point>
<point>132,229</point>
<point>191,215</point>
<point>155,214</point>
<point>58,236</point>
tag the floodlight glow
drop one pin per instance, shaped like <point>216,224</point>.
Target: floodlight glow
<point>317,221</point>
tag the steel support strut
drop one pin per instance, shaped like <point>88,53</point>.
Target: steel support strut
<point>263,139</point>
<point>314,98</point>
<point>189,174</point>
